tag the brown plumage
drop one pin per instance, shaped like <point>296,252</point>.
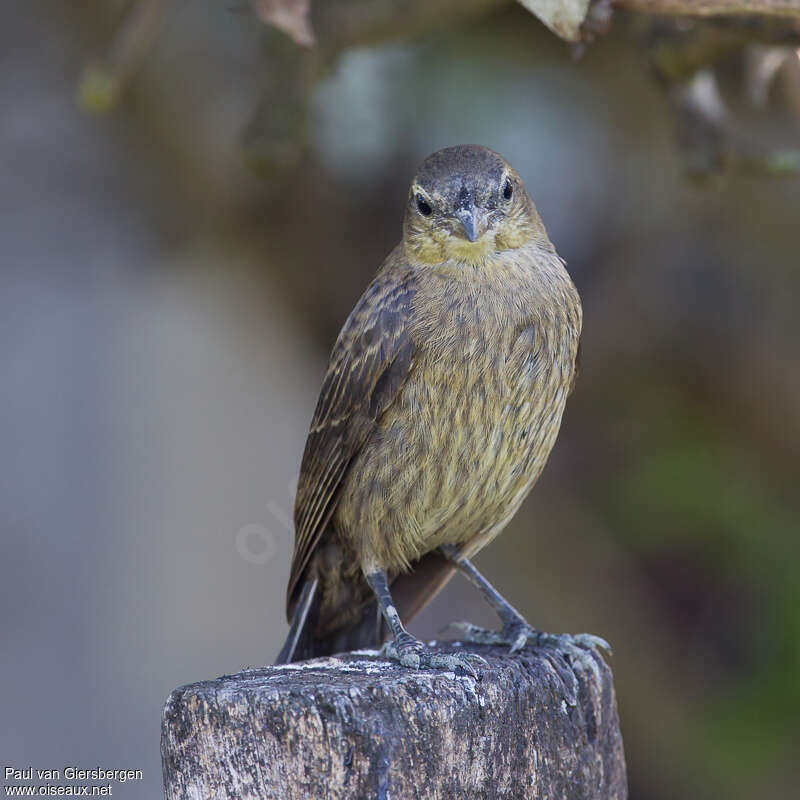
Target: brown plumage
<point>440,406</point>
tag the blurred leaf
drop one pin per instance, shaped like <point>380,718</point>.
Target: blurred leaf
<point>289,16</point>
<point>783,162</point>
<point>98,89</point>
<point>563,17</point>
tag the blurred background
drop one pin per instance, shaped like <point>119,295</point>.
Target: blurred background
<point>173,275</point>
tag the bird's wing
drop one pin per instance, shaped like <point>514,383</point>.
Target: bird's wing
<point>369,364</point>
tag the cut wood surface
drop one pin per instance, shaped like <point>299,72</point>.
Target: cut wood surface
<point>358,726</point>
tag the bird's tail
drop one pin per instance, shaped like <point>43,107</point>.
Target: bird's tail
<point>301,643</point>
<point>411,592</point>
<point>299,637</point>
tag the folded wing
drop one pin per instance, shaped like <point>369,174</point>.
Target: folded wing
<point>369,364</point>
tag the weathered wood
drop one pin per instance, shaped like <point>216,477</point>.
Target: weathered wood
<point>358,726</point>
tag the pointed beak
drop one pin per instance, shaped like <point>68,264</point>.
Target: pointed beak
<point>468,217</point>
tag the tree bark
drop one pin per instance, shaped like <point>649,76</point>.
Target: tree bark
<point>358,726</point>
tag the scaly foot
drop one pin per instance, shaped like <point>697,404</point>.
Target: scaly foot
<point>579,650</point>
<point>519,634</point>
<point>412,653</point>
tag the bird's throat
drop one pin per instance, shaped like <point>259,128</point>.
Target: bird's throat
<point>432,250</point>
<point>473,253</point>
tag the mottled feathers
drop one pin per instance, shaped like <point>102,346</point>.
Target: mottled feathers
<point>368,365</point>
<point>442,400</point>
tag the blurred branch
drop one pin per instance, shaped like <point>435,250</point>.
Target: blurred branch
<point>275,139</point>
<point>711,8</point>
<point>717,129</point>
<point>678,50</point>
<point>103,82</point>
<point>345,23</point>
<point>567,18</point>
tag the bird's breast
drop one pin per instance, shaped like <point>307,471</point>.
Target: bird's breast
<point>473,425</point>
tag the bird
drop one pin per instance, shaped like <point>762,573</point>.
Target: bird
<point>442,400</point>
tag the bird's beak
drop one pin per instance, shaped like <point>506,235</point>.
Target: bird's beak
<point>468,217</point>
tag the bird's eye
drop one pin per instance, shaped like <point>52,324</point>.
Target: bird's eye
<point>508,189</point>
<point>424,206</point>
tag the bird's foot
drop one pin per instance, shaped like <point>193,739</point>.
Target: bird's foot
<point>519,634</point>
<point>412,653</point>
<point>579,651</point>
<point>575,648</point>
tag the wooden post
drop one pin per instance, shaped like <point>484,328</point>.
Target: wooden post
<point>359,726</point>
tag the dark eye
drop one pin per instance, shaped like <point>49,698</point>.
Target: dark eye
<point>508,189</point>
<point>424,206</point>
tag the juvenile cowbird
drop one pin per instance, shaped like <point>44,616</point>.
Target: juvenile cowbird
<point>441,403</point>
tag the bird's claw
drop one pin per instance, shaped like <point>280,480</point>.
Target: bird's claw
<point>414,654</point>
<point>519,635</point>
<point>578,651</point>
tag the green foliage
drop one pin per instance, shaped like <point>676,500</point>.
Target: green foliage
<point>689,488</point>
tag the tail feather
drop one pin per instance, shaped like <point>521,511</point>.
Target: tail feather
<point>301,643</point>
<point>413,590</point>
<point>410,592</point>
<point>299,636</point>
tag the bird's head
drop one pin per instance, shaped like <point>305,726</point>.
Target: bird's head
<point>467,204</point>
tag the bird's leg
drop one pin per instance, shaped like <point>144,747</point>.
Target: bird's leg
<point>405,648</point>
<point>516,632</point>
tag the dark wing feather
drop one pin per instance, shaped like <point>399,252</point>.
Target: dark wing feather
<point>369,364</point>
